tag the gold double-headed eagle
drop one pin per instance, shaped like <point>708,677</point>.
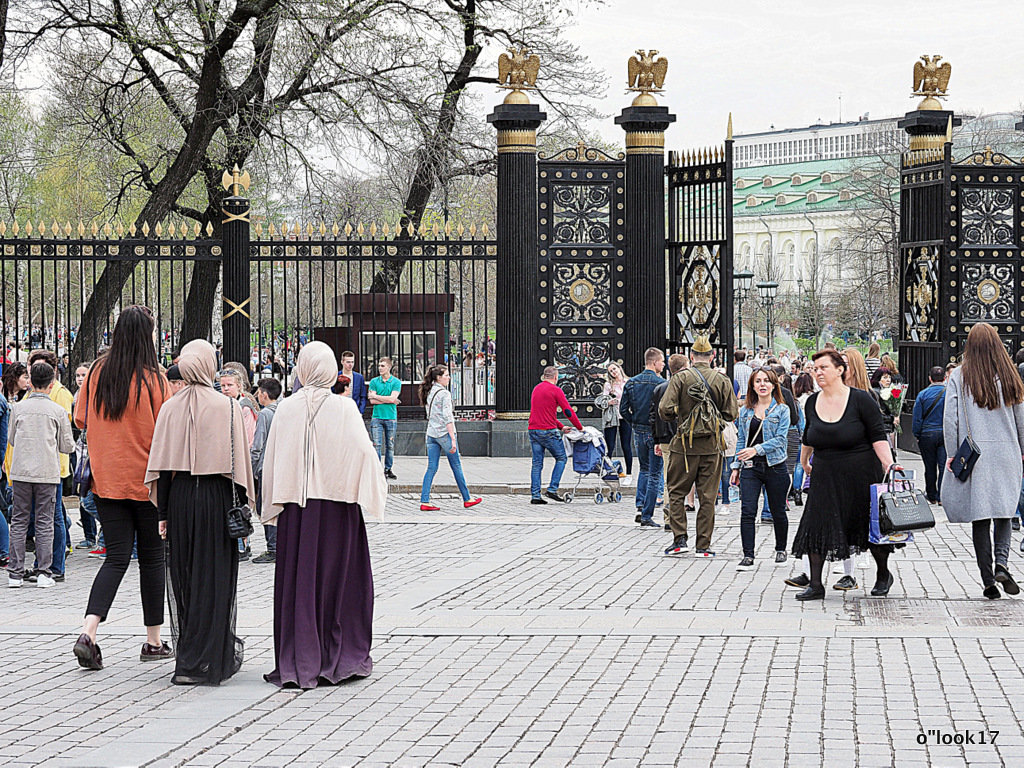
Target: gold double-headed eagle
<point>931,80</point>
<point>517,71</point>
<point>646,75</point>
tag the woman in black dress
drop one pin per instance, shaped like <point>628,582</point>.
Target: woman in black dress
<point>845,435</point>
<point>199,468</point>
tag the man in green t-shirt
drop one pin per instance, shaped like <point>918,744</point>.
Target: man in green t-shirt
<point>383,396</point>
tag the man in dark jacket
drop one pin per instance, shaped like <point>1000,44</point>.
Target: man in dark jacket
<point>663,431</point>
<point>635,407</point>
<point>927,428</point>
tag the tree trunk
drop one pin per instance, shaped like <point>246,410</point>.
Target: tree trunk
<point>434,150</point>
<point>197,320</point>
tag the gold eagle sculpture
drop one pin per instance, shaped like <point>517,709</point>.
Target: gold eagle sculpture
<point>517,71</point>
<point>646,73</point>
<point>931,80</point>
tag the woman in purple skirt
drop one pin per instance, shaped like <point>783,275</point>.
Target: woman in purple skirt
<point>321,475</point>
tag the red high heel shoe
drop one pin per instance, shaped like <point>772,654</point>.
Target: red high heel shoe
<point>471,502</point>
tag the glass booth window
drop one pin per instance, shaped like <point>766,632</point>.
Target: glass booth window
<point>412,352</point>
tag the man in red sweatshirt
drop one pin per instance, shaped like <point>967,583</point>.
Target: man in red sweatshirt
<point>546,432</point>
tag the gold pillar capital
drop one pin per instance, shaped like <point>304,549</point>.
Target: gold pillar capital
<point>521,140</point>
<point>645,142</point>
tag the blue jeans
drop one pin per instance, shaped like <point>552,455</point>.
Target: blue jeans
<point>87,516</point>
<point>933,454</point>
<point>382,432</point>
<point>649,484</point>
<point>5,536</point>
<point>798,477</point>
<point>726,471</point>
<point>549,440</point>
<point>435,447</point>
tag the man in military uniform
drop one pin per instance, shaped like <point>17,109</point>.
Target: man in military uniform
<point>700,400</point>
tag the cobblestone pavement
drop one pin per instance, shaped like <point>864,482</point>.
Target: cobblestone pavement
<point>511,634</point>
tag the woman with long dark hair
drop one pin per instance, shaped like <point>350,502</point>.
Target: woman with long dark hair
<point>441,435</point>
<point>199,450</point>
<point>16,382</point>
<point>985,400</point>
<point>120,400</point>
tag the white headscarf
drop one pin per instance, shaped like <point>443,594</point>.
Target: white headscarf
<point>318,447</point>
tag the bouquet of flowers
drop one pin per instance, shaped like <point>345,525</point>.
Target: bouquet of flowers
<point>892,402</point>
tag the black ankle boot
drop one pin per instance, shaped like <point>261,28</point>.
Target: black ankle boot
<point>798,498</point>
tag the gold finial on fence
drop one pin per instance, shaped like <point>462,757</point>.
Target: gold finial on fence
<point>28,228</point>
<point>309,230</point>
<point>209,229</point>
<point>145,229</point>
<point>518,72</point>
<point>728,129</point>
<point>348,230</point>
<point>334,229</point>
<point>235,181</point>
<point>949,130</point>
<point>322,229</point>
<point>158,230</point>
<point>359,229</point>
<point>94,229</point>
<point>485,229</point>
<point>472,230</point>
<point>461,229</point>
<point>259,230</point>
<point>3,228</point>
<point>646,75</point>
<point>131,229</point>
<point>271,232</point>
<point>931,80</point>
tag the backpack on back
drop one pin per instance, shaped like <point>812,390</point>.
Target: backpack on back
<point>705,420</point>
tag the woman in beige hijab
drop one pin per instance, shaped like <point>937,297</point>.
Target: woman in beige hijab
<point>198,469</point>
<point>321,475</point>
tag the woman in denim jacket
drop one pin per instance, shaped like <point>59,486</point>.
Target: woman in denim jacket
<point>760,461</point>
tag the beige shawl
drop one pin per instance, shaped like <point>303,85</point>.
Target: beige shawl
<point>318,447</point>
<point>192,432</point>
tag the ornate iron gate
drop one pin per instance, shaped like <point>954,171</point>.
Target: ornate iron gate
<point>582,264</point>
<point>700,247</point>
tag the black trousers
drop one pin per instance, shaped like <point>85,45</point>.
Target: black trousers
<point>124,521</point>
<point>933,454</point>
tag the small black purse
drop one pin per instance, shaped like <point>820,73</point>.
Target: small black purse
<point>966,456</point>
<point>239,517</point>
<point>901,507</point>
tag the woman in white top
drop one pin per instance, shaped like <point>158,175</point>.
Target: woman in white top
<point>608,402</point>
<point>441,435</point>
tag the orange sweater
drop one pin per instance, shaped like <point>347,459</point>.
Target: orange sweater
<point>119,450</point>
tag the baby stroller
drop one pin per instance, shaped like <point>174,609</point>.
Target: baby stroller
<point>590,457</point>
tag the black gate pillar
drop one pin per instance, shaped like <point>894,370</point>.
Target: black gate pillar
<point>517,365</point>
<point>645,281</point>
<point>235,322</point>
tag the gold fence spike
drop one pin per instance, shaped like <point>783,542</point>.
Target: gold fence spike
<point>209,229</point>
<point>28,228</point>
<point>728,129</point>
<point>373,229</point>
<point>359,229</point>
<point>348,230</point>
<point>15,228</point>
<point>81,228</point>
<point>472,230</point>
<point>386,229</point>
<point>461,229</point>
<point>334,229</point>
<point>131,229</point>
<point>145,229</point>
<point>259,230</point>
<point>485,229</point>
<point>296,228</point>
<point>195,229</point>
<point>67,228</point>
<point>3,228</point>
<point>107,229</point>
<point>322,229</point>
<point>54,227</point>
<point>119,228</point>
<point>448,229</point>
<point>158,230</point>
<point>434,231</point>
<point>271,232</point>
<point>309,230</point>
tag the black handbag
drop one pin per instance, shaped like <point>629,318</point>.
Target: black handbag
<point>239,517</point>
<point>966,456</point>
<point>81,478</point>
<point>901,507</point>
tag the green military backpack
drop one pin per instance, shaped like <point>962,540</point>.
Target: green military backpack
<point>705,420</point>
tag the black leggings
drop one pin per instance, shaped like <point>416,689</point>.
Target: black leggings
<point>880,552</point>
<point>625,433</point>
<point>124,521</point>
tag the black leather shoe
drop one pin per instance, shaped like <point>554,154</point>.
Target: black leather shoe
<point>88,653</point>
<point>156,653</point>
<point>537,501</point>
<point>554,496</point>
<point>800,580</point>
<point>1006,581</point>
<point>798,498</point>
<point>812,593</point>
<point>881,589</point>
<point>992,592</point>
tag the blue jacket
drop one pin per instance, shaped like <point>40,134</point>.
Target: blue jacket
<point>931,400</point>
<point>5,420</point>
<point>635,404</point>
<point>774,434</point>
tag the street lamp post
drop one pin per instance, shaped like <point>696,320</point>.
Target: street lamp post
<point>741,282</point>
<point>768,289</point>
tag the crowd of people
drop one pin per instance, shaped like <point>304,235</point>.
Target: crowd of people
<point>817,433</point>
<point>168,462</point>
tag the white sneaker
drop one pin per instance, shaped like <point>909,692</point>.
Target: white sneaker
<point>42,580</point>
<point>13,583</point>
<point>724,509</point>
<point>626,480</point>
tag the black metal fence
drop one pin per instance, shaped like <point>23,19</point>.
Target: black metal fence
<point>426,298</point>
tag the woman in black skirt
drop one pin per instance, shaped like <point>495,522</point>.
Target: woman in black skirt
<point>845,435</point>
<point>198,469</point>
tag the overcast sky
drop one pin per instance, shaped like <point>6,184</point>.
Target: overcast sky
<point>786,62</point>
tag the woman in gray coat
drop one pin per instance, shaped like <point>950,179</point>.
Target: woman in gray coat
<point>985,398</point>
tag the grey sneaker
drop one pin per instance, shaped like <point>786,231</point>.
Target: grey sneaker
<point>745,564</point>
<point>780,557</point>
<point>266,557</point>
